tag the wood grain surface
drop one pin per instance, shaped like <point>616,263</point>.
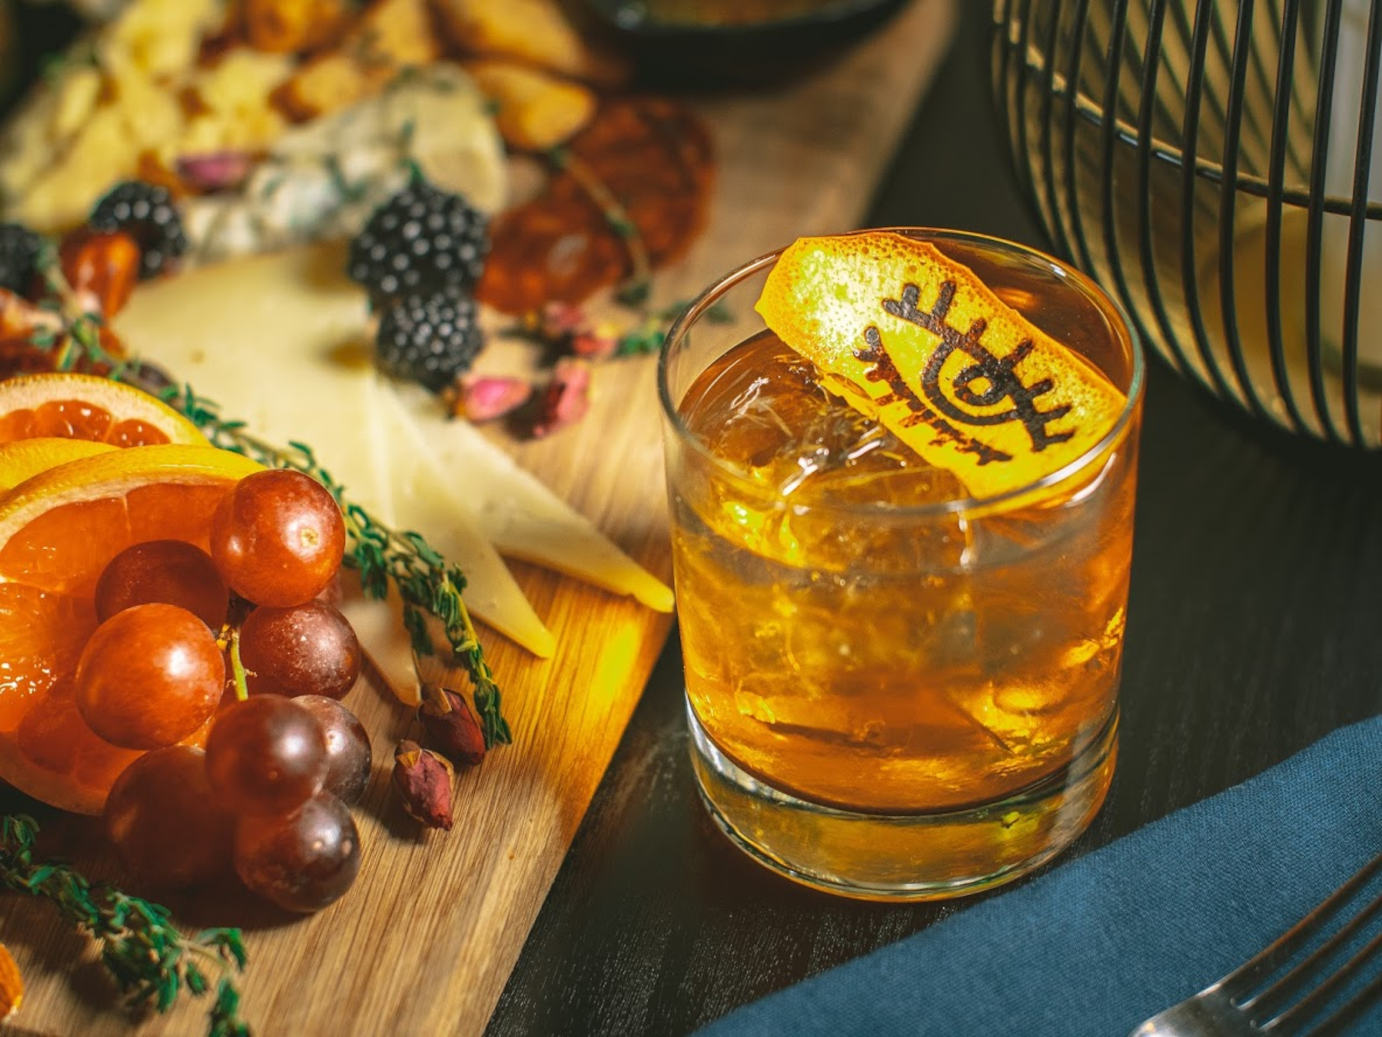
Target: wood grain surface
<point>426,939</point>
<point>1252,631</point>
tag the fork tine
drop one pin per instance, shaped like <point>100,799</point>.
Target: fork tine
<point>1263,1002</point>
<point>1289,1020</point>
<point>1241,979</point>
<point>1348,1011</point>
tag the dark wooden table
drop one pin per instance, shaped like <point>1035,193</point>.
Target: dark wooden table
<point>1255,627</point>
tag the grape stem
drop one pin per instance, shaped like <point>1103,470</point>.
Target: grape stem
<point>237,668</point>
<point>149,959</point>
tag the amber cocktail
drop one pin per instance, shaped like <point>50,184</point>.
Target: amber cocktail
<point>896,688</point>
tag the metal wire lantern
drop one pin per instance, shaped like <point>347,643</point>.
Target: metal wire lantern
<point>1212,163</point>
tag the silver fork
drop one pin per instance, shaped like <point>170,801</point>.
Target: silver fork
<point>1234,1007</point>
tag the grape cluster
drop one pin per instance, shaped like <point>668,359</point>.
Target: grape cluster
<point>269,796</point>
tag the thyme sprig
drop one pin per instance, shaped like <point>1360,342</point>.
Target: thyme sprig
<point>149,959</point>
<point>425,581</point>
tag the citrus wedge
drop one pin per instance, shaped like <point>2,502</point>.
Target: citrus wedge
<point>83,406</point>
<point>25,458</point>
<point>917,342</point>
<point>58,530</point>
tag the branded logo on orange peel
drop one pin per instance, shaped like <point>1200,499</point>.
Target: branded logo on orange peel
<point>917,342</point>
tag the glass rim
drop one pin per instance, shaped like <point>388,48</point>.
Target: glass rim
<point>1102,299</point>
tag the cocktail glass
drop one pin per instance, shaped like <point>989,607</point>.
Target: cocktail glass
<point>894,690</point>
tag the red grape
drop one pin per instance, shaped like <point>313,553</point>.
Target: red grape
<point>278,537</point>
<point>54,736</point>
<point>171,571</point>
<point>304,650</point>
<point>347,747</point>
<point>301,861</point>
<point>265,755</point>
<point>164,821</point>
<point>149,676</point>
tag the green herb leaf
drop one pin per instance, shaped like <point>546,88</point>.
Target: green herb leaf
<point>634,293</point>
<point>142,950</point>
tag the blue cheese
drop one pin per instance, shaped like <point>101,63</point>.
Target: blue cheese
<point>321,180</point>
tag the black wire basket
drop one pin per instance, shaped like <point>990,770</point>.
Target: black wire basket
<point>1212,164</point>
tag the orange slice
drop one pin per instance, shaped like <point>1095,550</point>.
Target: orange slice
<point>58,530</point>
<point>917,342</point>
<point>27,457</point>
<point>11,984</point>
<point>83,406</point>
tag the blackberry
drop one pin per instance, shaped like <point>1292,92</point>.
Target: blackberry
<point>19,247</point>
<point>430,337</point>
<point>422,239</point>
<point>145,212</point>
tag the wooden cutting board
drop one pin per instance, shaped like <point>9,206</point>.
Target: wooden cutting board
<point>425,940</point>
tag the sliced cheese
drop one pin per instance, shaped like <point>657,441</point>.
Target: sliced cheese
<point>519,515</point>
<point>279,341</point>
<point>437,509</point>
<point>378,624</point>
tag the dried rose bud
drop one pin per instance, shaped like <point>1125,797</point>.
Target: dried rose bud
<point>216,170</point>
<point>450,725</point>
<point>485,397</point>
<point>566,398</point>
<point>423,780</point>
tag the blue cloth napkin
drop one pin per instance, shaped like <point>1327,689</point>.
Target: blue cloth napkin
<point>1103,942</point>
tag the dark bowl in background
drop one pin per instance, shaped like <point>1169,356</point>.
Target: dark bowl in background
<point>708,55</point>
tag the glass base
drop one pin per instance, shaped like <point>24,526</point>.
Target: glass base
<point>903,856</point>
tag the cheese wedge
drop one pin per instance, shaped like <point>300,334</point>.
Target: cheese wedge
<point>278,341</point>
<point>378,624</point>
<point>525,519</point>
<point>321,180</point>
<point>433,506</point>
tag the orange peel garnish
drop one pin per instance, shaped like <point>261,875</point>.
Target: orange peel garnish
<point>917,342</point>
